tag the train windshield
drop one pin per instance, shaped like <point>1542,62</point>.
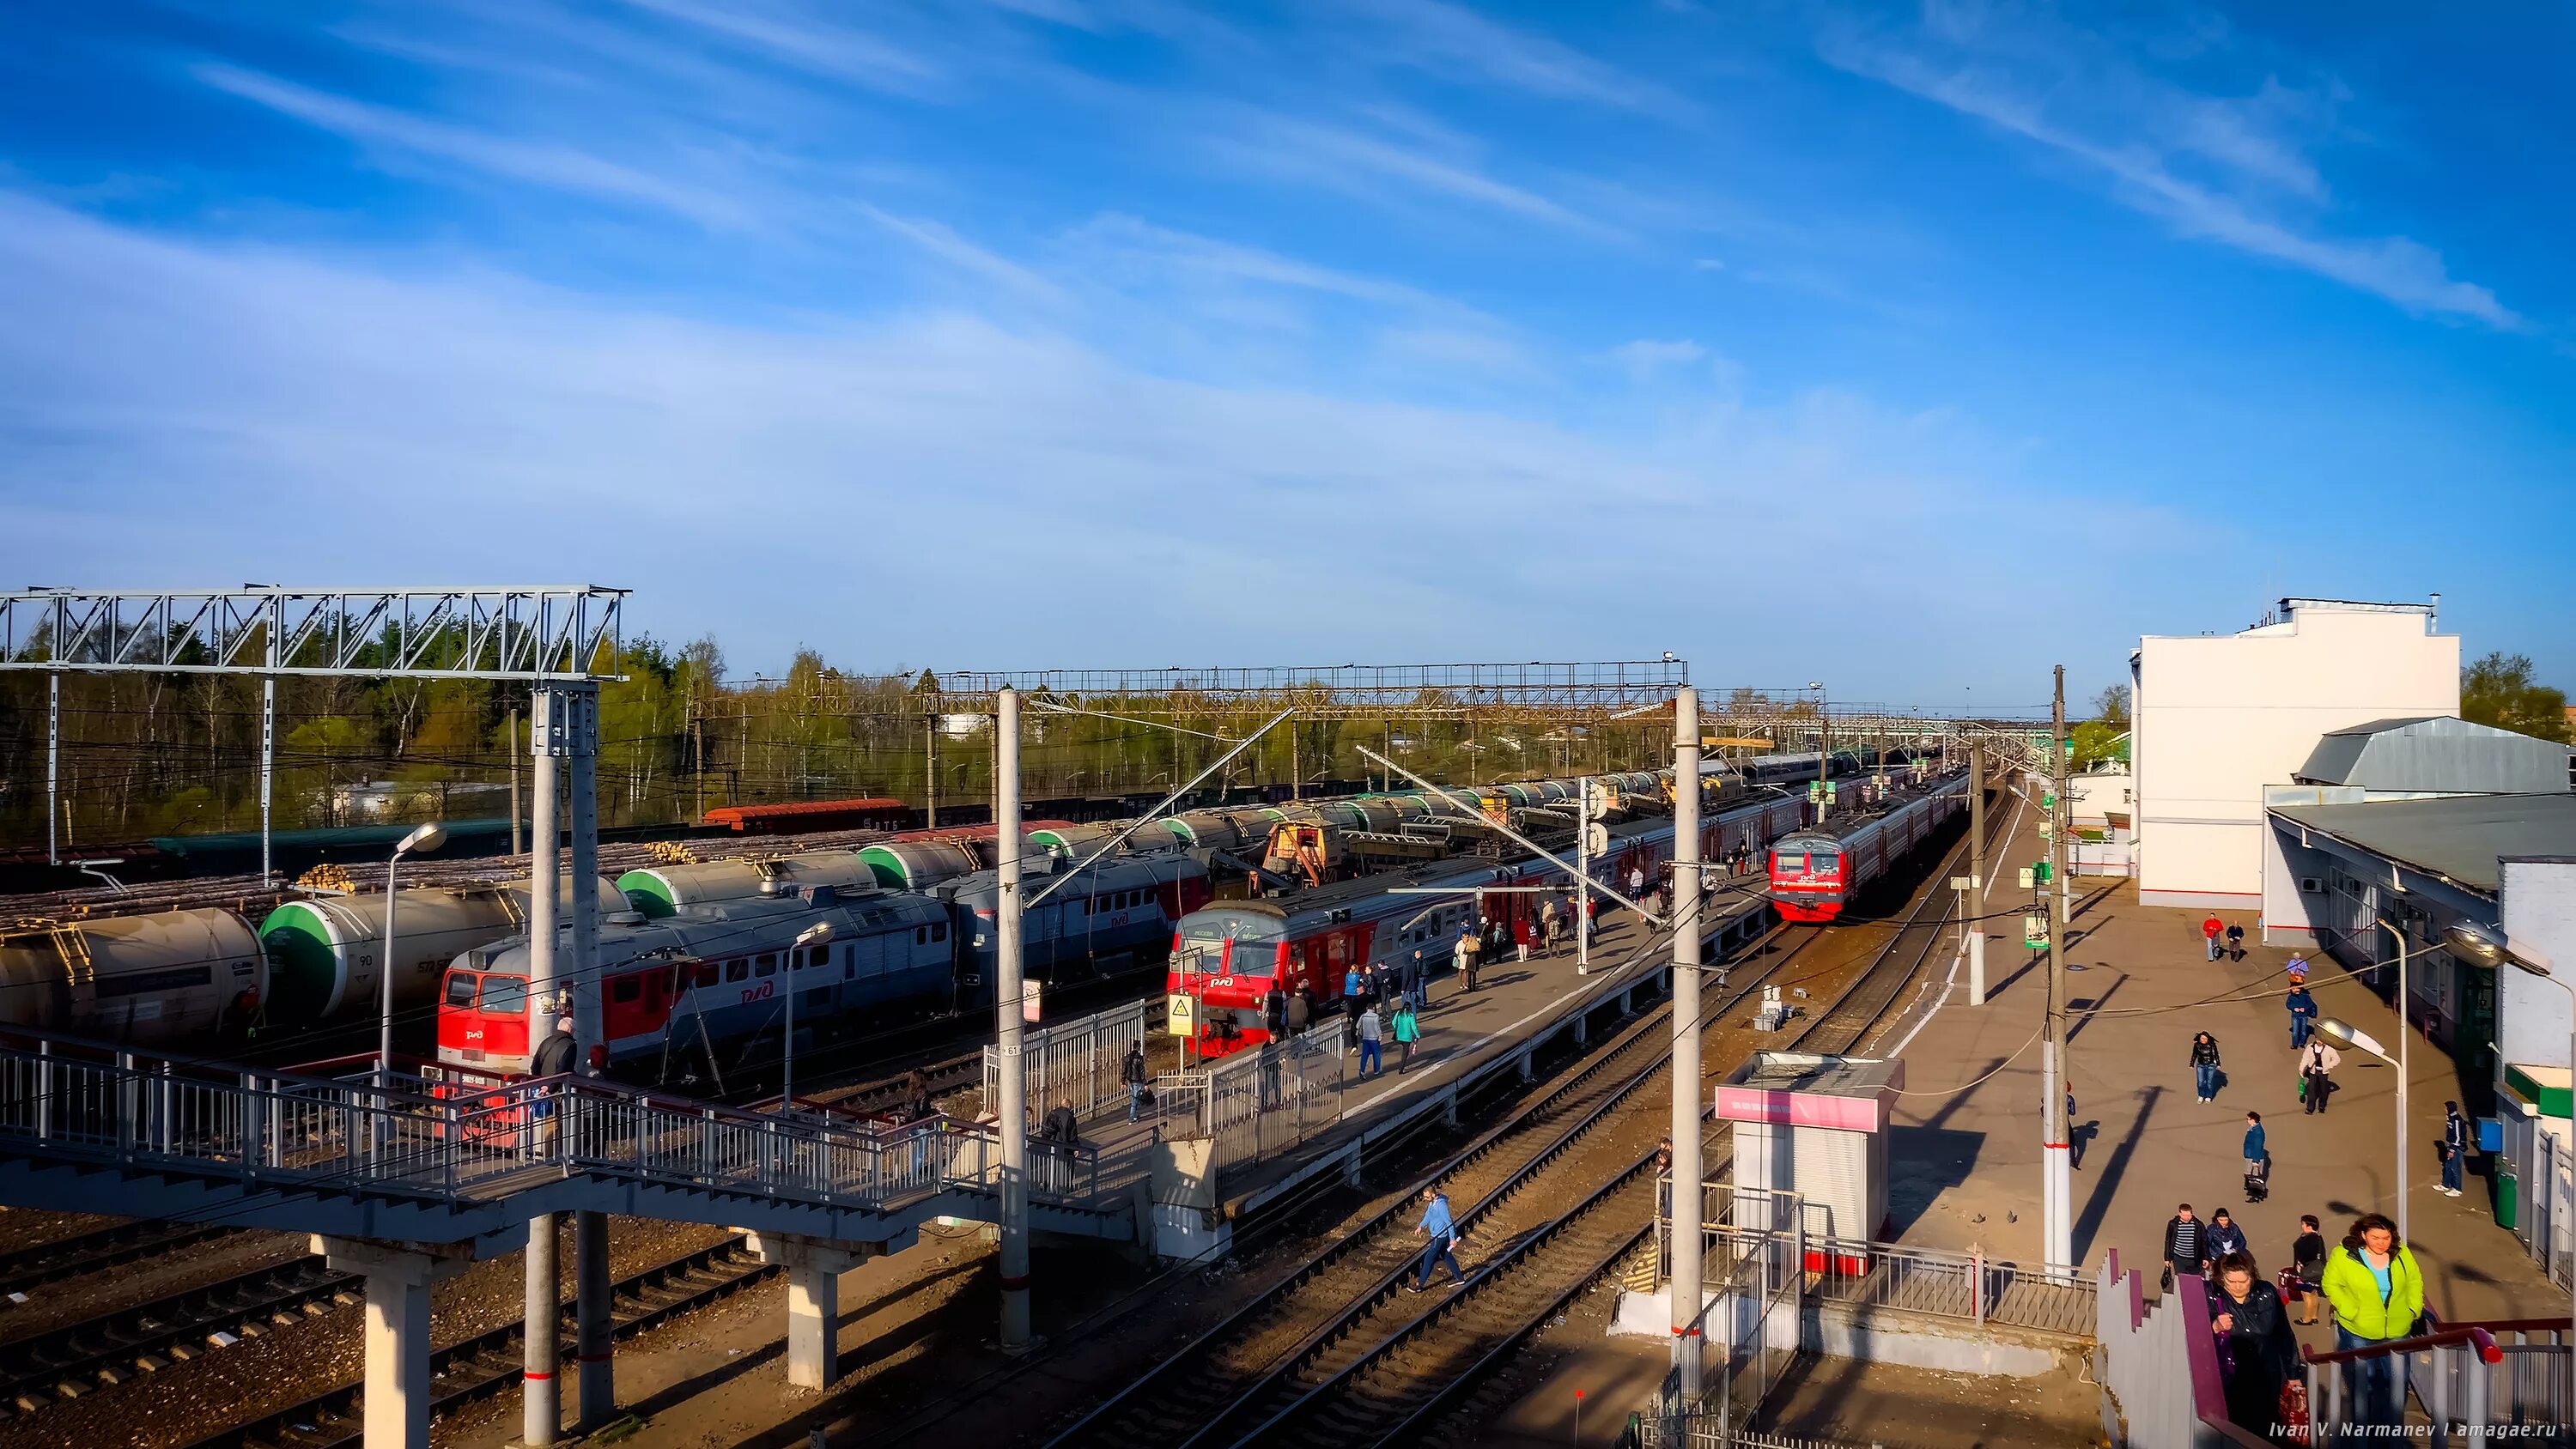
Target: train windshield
<point>460,988</point>
<point>1824,861</point>
<point>1789,862</point>
<point>505,995</point>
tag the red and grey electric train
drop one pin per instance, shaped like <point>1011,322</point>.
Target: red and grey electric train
<point>1816,871</point>
<point>1227,955</point>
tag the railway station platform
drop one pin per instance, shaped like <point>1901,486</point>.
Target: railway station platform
<point>1467,1038</point>
<point>1964,1151</point>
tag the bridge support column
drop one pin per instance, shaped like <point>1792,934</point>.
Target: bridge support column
<point>814,1268</point>
<point>540,1347</point>
<point>593,1319</point>
<point>1526,1072</point>
<point>398,1276</point>
<point>1583,1029</point>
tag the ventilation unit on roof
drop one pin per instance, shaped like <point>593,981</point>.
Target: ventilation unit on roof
<point>2311,886</point>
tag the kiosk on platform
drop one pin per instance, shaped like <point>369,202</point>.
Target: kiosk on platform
<point>1815,1126</point>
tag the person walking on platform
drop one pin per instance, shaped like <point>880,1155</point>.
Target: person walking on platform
<point>1390,982</point>
<point>1354,987</point>
<point>1465,956</point>
<point>2455,1147</point>
<point>2210,931</point>
<point>1371,1034</point>
<point>1131,1070</point>
<point>1274,1011</point>
<point>2316,1074</point>
<point>2377,1292</point>
<point>2204,1066</point>
<point>2256,1157</point>
<point>1637,883</point>
<point>2236,943</point>
<point>2308,1266</point>
<point>1547,925</point>
<point>2186,1247</point>
<point>2303,1015</point>
<point>1301,1011</point>
<point>1442,1236</point>
<point>1408,1030</point>
<point>2298,969</point>
<point>2258,1351</point>
<point>2222,1238</point>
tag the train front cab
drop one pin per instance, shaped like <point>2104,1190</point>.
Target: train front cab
<point>1807,876</point>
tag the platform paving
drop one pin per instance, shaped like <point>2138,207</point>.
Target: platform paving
<point>1965,1148</point>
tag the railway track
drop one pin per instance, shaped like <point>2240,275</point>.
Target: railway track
<point>1384,1367</point>
<point>94,1252</point>
<point>489,1363</point>
<point>115,1348</point>
<point>1226,1371</point>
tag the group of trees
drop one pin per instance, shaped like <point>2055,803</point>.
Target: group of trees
<point>2500,690</point>
<point>146,755</point>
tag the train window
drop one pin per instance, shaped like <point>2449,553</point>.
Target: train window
<point>626,988</point>
<point>921,935</point>
<point>708,971</point>
<point>1825,861</point>
<point>939,932</point>
<point>505,995</point>
<point>1789,862</point>
<point>460,988</point>
<point>766,964</point>
<point>737,969</point>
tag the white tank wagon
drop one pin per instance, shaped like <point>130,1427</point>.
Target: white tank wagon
<point>323,952</point>
<point>658,892</point>
<point>151,980</point>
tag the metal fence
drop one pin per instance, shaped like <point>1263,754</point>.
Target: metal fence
<point>1867,1274</point>
<point>1262,1099</point>
<point>1077,1061</point>
<point>477,1139</point>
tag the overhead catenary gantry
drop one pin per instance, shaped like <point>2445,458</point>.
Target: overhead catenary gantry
<point>561,640</point>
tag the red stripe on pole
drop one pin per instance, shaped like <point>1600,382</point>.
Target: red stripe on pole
<point>533,1374</point>
<point>1010,1283</point>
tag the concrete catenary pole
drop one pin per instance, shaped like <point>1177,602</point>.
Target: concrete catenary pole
<point>930,769</point>
<point>516,845</point>
<point>1688,1211</point>
<point>540,1407</point>
<point>54,776</point>
<point>593,1312</point>
<point>1973,932</point>
<point>1013,1109</point>
<point>1582,877</point>
<point>2058,1191</point>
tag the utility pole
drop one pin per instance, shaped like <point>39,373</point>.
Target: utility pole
<point>1013,1109</point>
<point>540,1402</point>
<point>1689,1209</point>
<point>2057,1198</point>
<point>930,769</point>
<point>1972,932</point>
<point>1582,877</point>
<point>516,845</point>
<point>592,1305</point>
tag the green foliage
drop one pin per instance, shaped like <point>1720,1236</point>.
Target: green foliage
<point>2499,690</point>
<point>2096,740</point>
<point>2111,706</point>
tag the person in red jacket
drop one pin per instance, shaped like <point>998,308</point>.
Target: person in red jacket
<point>2211,929</point>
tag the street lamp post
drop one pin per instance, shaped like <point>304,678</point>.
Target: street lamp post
<point>423,839</point>
<point>2403,1076</point>
<point>2352,1036</point>
<point>2488,946</point>
<point>813,935</point>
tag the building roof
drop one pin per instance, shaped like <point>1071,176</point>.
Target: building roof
<point>2436,754</point>
<point>2458,837</point>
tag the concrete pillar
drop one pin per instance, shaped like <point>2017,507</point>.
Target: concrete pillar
<point>1526,1072</point>
<point>814,1268</point>
<point>1583,1029</point>
<point>1449,1107</point>
<point>398,1276</point>
<point>540,1384</point>
<point>594,1318</point>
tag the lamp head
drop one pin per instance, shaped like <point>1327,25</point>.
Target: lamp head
<point>2350,1035</point>
<point>2481,943</point>
<point>815,934</point>
<point>423,838</point>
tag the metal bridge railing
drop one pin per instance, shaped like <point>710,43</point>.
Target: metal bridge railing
<point>1260,1100</point>
<point>473,1140</point>
<point>1077,1061</point>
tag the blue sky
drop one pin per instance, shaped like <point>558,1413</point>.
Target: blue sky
<point>1911,349</point>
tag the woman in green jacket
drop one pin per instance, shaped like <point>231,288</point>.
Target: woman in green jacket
<point>1407,1032</point>
<point>2378,1293</point>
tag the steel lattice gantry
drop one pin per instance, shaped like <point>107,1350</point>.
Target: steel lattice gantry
<point>1345,691</point>
<point>562,640</point>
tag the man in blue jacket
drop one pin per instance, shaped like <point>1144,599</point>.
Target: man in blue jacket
<point>1442,1234</point>
<point>2303,1014</point>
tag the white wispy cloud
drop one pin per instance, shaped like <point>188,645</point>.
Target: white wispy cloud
<point>803,40</point>
<point>1647,356</point>
<point>1335,156</point>
<point>557,167</point>
<point>167,405</point>
<point>941,241</point>
<point>2236,171</point>
<point>1451,40</point>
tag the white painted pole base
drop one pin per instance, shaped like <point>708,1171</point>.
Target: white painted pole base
<point>1976,968</point>
<point>540,1387</point>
